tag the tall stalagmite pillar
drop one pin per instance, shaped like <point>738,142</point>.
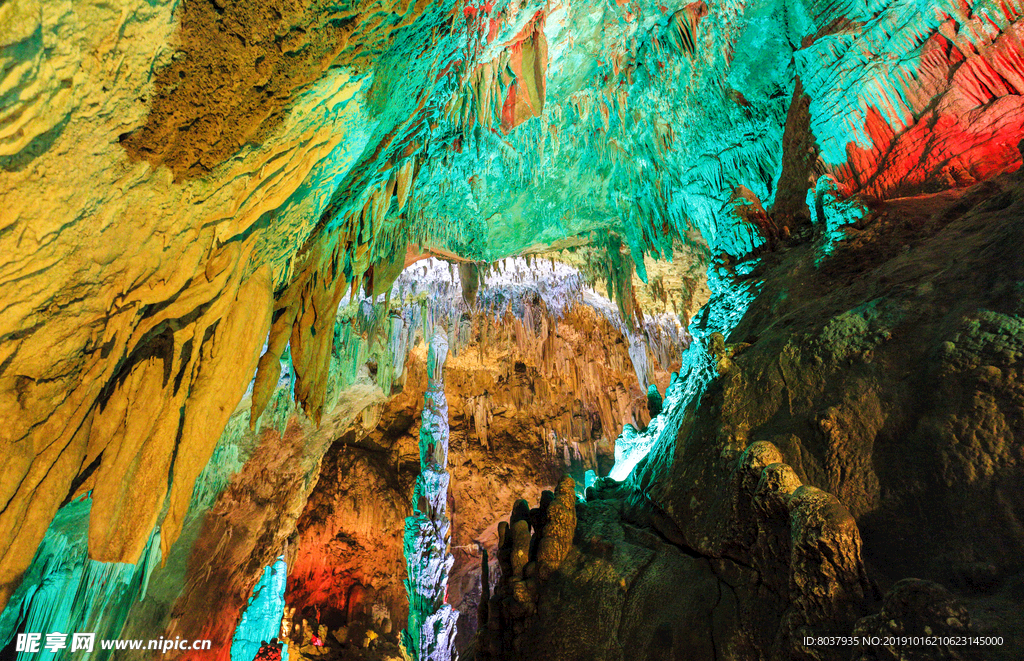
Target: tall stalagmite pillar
<point>430,635</point>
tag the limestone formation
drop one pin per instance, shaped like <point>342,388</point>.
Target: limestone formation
<point>558,531</point>
<point>916,609</point>
<point>430,635</point>
<point>520,547</point>
<point>533,561</point>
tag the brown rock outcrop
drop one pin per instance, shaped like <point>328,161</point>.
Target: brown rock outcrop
<point>884,378</point>
<point>558,525</point>
<point>622,591</point>
<point>237,66</point>
<point>919,620</point>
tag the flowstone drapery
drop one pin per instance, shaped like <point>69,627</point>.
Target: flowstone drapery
<point>431,631</point>
<point>261,620</point>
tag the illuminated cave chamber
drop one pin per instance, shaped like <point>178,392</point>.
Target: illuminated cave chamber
<point>534,389</point>
<point>731,292</point>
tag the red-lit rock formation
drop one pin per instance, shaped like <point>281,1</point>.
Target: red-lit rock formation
<point>950,119</point>
<point>252,522</point>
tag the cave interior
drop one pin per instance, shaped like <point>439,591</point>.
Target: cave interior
<point>517,330</point>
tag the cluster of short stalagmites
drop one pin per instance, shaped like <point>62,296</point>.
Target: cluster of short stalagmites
<point>309,640</point>
<point>526,561</point>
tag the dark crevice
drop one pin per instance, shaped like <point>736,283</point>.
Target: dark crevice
<point>81,478</point>
<point>711,617</point>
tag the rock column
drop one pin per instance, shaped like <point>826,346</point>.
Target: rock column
<point>431,631</point>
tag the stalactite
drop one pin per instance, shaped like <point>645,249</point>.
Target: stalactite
<point>268,372</point>
<point>66,592</point>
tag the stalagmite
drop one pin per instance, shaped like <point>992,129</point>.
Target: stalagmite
<point>559,529</point>
<point>527,562</point>
<point>430,635</point>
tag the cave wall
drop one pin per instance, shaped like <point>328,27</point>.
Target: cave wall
<point>884,375</point>
<point>852,469</point>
